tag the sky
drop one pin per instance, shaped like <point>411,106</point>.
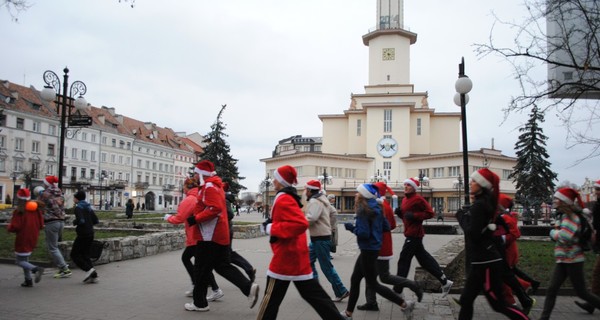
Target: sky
<point>276,64</point>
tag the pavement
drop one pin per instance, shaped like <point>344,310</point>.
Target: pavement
<point>153,288</point>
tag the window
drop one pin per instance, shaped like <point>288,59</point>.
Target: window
<point>387,170</point>
<point>92,173</point>
<point>317,148</point>
<point>424,172</point>
<point>2,164</point>
<point>84,136</point>
<point>453,171</point>
<point>93,156</point>
<point>336,172</point>
<point>127,177</point>
<point>418,126</point>
<point>35,170</point>
<point>50,169</point>
<point>103,157</point>
<point>35,146</point>
<point>113,158</point>
<point>73,172</point>
<point>36,126</point>
<point>139,163</point>
<point>349,203</point>
<point>128,161</point>
<point>18,165</point>
<point>568,75</point>
<point>74,153</point>
<point>20,123</point>
<point>350,173</point>
<point>50,150</point>
<point>358,127</point>
<point>506,174</point>
<point>83,172</point>
<point>128,145</point>
<point>120,159</point>
<point>2,124</point>
<point>2,142</point>
<point>319,171</point>
<point>104,140</point>
<point>154,166</point>
<point>114,142</point>
<point>93,137</point>
<point>438,172</point>
<point>147,164</point>
<point>84,155</point>
<point>160,167</point>
<point>387,120</point>
<point>52,130</point>
<point>19,144</point>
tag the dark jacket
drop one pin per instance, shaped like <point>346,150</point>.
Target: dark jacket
<point>85,219</point>
<point>481,238</point>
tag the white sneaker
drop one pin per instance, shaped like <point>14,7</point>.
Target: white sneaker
<point>408,310</point>
<point>253,295</point>
<point>192,307</point>
<point>446,288</point>
<point>88,275</point>
<point>214,295</point>
<point>190,293</point>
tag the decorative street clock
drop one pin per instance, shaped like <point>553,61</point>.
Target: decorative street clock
<point>387,147</point>
<point>388,53</point>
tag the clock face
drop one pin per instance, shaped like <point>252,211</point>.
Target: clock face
<point>388,53</point>
<point>387,147</point>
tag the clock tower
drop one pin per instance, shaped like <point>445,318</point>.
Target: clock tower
<point>389,45</point>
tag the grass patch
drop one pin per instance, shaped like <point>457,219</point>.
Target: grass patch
<point>537,260</point>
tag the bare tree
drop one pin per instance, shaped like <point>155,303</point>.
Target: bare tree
<point>15,7</point>
<point>564,37</point>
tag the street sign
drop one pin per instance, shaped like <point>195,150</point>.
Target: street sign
<point>80,121</point>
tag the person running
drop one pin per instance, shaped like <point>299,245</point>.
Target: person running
<point>85,219</point>
<point>369,227</point>
<point>212,251</point>
<point>413,210</point>
<point>192,236</point>
<point>54,219</point>
<point>568,254</point>
<point>26,222</point>
<point>596,271</point>
<point>386,254</point>
<point>486,262</point>
<point>287,227</point>
<point>317,214</point>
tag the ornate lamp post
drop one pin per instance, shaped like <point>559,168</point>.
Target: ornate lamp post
<point>377,177</point>
<point>458,183</point>
<point>14,176</point>
<point>64,104</point>
<point>422,178</point>
<point>264,185</point>
<point>463,86</point>
<point>325,179</point>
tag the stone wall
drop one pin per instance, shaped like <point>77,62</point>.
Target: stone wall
<point>450,258</point>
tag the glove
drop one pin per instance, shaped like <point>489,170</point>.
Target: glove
<point>349,226</point>
<point>191,220</point>
<point>166,217</point>
<point>273,239</point>
<point>409,216</point>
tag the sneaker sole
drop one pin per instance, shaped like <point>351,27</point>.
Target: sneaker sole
<point>254,295</point>
<point>214,298</point>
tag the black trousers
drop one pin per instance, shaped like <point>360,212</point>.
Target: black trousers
<point>383,271</point>
<point>413,247</point>
<point>80,252</point>
<point>310,290</point>
<point>212,256</point>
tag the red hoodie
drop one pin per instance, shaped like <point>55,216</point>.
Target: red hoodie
<point>27,225</point>
<point>211,212</point>
<point>186,209</point>
<point>421,211</point>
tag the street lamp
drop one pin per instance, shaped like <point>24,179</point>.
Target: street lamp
<point>265,184</point>
<point>458,183</point>
<point>14,179</point>
<point>325,179</point>
<point>64,104</point>
<point>377,177</point>
<point>101,178</point>
<point>422,178</point>
<point>463,85</point>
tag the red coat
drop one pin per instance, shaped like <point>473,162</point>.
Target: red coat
<point>510,238</point>
<point>290,251</point>
<point>387,252</point>
<point>186,209</point>
<point>211,212</point>
<point>27,226</point>
<point>421,210</point>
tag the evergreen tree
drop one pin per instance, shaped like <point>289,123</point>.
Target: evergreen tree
<point>218,152</point>
<point>535,180</point>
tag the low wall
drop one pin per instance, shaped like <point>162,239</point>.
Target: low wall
<point>450,258</point>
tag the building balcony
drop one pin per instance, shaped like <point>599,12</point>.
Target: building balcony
<point>141,185</point>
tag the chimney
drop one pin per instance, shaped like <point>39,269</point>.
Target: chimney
<point>102,118</point>
<point>119,118</point>
<point>148,125</point>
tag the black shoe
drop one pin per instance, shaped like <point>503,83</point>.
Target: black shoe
<point>585,306</point>
<point>28,283</point>
<point>368,307</point>
<point>534,287</point>
<point>419,293</point>
<point>252,275</point>
<point>529,305</point>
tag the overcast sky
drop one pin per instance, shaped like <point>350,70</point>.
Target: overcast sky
<point>276,64</point>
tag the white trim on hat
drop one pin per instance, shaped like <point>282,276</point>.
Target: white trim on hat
<point>411,182</point>
<point>483,182</point>
<point>308,186</point>
<point>365,192</point>
<point>561,196</point>
<point>281,179</point>
<point>204,172</point>
<point>47,183</point>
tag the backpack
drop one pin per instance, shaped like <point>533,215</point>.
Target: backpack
<point>585,233</point>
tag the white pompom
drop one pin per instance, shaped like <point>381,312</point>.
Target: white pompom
<point>380,200</point>
<point>492,226</point>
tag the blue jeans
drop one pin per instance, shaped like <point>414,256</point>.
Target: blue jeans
<point>320,250</point>
<point>53,229</point>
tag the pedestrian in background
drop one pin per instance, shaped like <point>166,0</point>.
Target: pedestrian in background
<point>129,209</point>
<point>413,210</point>
<point>319,227</point>
<point>568,254</point>
<point>85,219</point>
<point>290,262</point>
<point>54,219</point>
<point>368,228</point>
<point>333,220</point>
<point>27,220</point>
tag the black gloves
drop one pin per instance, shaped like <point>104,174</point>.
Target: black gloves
<point>349,226</point>
<point>191,220</point>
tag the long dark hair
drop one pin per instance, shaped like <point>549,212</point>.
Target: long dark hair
<point>362,207</point>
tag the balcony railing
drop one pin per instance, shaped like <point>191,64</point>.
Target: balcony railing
<point>141,185</point>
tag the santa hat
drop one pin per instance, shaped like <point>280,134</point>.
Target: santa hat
<point>488,180</point>
<point>286,175</point>
<point>313,185</point>
<point>51,181</point>
<point>205,168</point>
<point>597,184</point>
<point>505,202</point>
<point>569,196</point>
<point>24,194</point>
<point>383,189</point>
<point>368,191</point>
<point>412,182</point>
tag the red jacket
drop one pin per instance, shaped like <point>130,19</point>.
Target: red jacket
<point>186,209</point>
<point>421,210</point>
<point>510,237</point>
<point>290,251</point>
<point>387,252</point>
<point>211,212</point>
<point>27,226</point>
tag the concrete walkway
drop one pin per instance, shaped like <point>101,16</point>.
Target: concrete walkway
<point>153,288</point>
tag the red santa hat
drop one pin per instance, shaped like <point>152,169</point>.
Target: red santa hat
<point>51,181</point>
<point>24,194</point>
<point>569,196</point>
<point>597,184</point>
<point>286,175</point>
<point>487,179</point>
<point>383,188</point>
<point>205,168</point>
<point>368,191</point>
<point>412,182</point>
<point>313,185</point>
<point>505,202</point>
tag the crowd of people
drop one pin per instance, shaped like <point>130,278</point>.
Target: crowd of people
<point>489,225</point>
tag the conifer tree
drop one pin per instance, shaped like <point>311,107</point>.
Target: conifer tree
<point>218,152</point>
<point>532,173</point>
